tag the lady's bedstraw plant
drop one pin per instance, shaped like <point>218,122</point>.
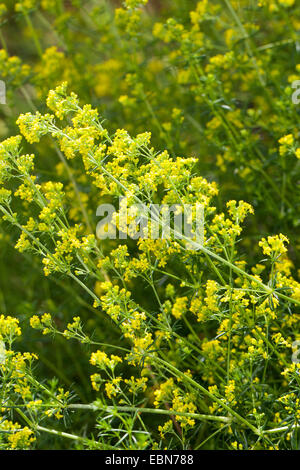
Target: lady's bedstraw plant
<point>180,344</point>
<point>205,340</point>
<point>227,90</point>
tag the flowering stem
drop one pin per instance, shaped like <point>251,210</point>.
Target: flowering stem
<point>204,417</point>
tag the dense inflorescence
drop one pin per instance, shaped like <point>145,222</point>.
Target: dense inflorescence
<point>161,342</point>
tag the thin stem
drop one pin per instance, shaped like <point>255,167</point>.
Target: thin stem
<point>204,417</point>
<point>34,35</point>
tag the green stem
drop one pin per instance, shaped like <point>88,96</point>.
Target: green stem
<point>34,35</point>
<point>203,417</point>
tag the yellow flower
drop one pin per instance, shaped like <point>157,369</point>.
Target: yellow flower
<point>9,328</point>
<point>179,307</point>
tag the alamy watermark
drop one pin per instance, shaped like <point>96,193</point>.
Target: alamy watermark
<point>2,352</point>
<point>2,92</point>
<point>152,221</point>
<point>296,352</point>
<point>296,94</point>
